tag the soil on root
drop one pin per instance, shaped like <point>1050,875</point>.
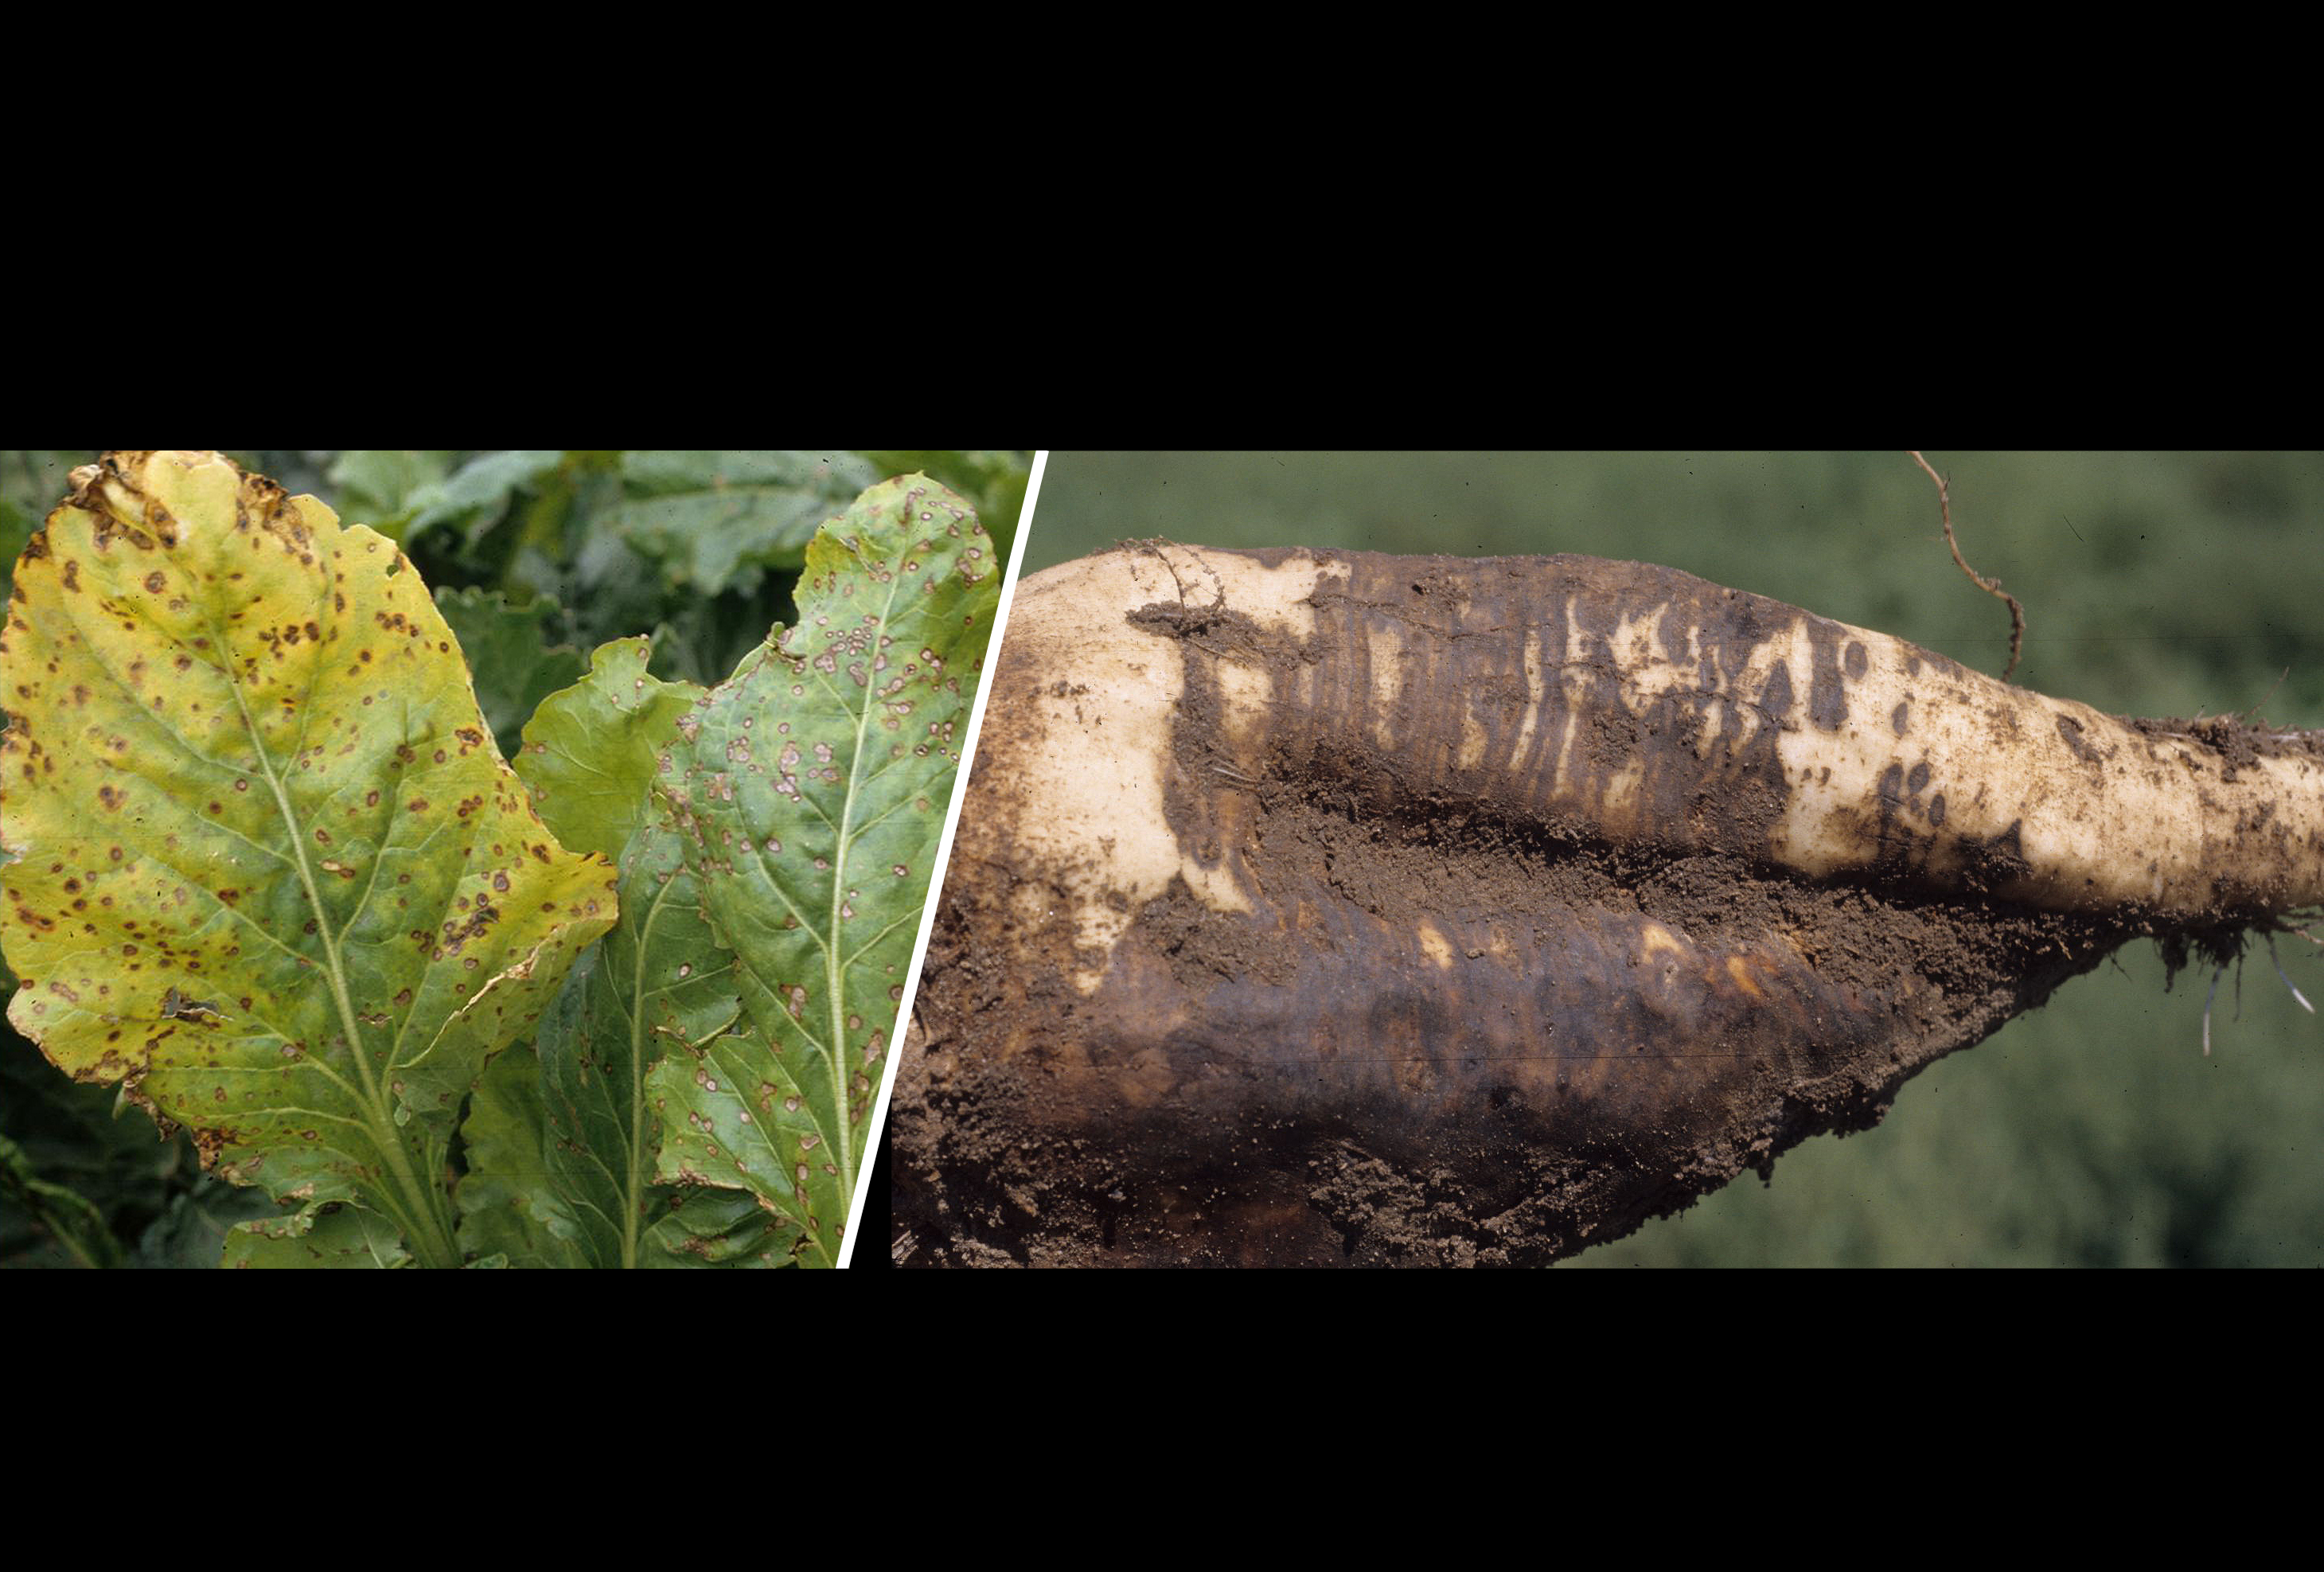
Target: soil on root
<point>1453,1027</point>
<point>1453,1041</point>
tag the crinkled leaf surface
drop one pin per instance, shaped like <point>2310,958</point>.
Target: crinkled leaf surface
<point>659,979</point>
<point>591,753</point>
<point>269,872</point>
<point>506,1210</point>
<point>477,496</point>
<point>810,790</point>
<point>708,515</point>
<point>334,1236</point>
<point>385,487</point>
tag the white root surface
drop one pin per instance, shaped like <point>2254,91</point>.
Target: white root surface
<point>1903,766</point>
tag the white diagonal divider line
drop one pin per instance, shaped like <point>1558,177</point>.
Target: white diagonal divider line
<point>943,858</point>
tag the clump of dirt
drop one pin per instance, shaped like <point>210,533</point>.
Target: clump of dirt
<point>2238,741</point>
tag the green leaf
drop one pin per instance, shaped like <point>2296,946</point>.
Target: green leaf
<point>657,983</point>
<point>992,479</point>
<point>810,789</point>
<point>507,1207</point>
<point>714,518</point>
<point>192,1232</point>
<point>709,1226</point>
<point>591,759</point>
<point>592,755</point>
<point>269,872</point>
<point>591,751</point>
<point>510,657</point>
<point>477,496</point>
<point>335,1236</point>
<point>385,487</point>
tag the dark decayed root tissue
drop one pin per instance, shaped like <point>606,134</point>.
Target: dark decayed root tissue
<point>1456,1028</point>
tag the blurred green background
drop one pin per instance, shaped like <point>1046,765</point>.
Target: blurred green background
<point>2092,1131</point>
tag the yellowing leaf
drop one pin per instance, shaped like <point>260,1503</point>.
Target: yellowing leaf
<point>269,870</point>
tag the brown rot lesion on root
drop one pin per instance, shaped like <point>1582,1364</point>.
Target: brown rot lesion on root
<point>1480,912</point>
<point>1451,1035</point>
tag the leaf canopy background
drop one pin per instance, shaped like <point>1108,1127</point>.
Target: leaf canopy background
<point>535,557</point>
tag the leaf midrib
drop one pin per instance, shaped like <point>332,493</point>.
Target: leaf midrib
<point>381,1131</point>
<point>434,1242</point>
<point>843,1137</point>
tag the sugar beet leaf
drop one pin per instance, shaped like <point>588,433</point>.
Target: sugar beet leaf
<point>269,872</point>
<point>807,792</point>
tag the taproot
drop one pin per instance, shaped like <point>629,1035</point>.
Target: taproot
<point>1315,906</point>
